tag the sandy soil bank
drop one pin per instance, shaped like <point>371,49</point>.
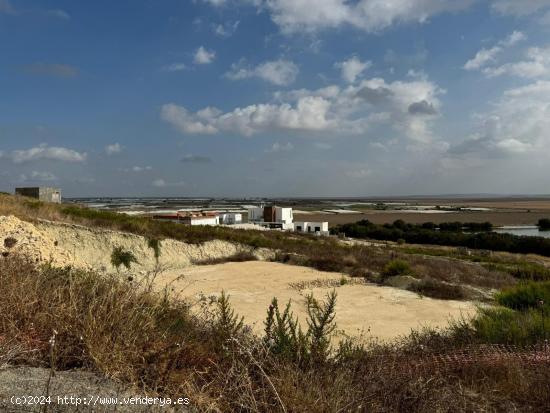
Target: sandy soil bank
<point>382,312</point>
<point>78,246</point>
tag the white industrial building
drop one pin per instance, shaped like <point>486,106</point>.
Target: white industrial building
<point>201,219</point>
<point>191,218</point>
<point>318,228</point>
<point>231,218</point>
<point>271,217</point>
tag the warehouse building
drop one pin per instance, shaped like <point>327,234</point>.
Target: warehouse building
<point>44,194</point>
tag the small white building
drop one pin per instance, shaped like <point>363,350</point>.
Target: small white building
<point>231,218</point>
<point>318,228</point>
<point>198,218</point>
<point>272,217</point>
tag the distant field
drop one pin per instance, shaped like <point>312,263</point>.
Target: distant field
<point>383,217</point>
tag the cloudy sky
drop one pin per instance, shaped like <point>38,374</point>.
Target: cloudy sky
<point>275,97</point>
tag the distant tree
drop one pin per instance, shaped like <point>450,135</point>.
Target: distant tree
<point>544,224</point>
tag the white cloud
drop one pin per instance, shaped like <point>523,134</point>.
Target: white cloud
<point>161,183</point>
<point>331,110</point>
<point>174,67</point>
<point>187,122</point>
<point>47,152</point>
<point>280,147</point>
<point>113,149</point>
<point>536,65</point>
<point>514,38</point>
<point>203,56</point>
<point>279,72</point>
<point>216,3</point>
<point>227,29</point>
<point>60,14</point>
<point>520,7</point>
<point>368,15</point>
<point>482,58</point>
<point>137,169</point>
<point>352,68</point>
<point>488,56</point>
<point>518,124</point>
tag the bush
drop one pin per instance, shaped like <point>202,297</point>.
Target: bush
<point>121,257</point>
<point>544,224</point>
<point>506,326</point>
<point>396,267</point>
<point>526,296</point>
<point>285,337</point>
<point>438,289</point>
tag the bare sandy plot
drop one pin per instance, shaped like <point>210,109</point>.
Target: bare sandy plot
<point>381,312</point>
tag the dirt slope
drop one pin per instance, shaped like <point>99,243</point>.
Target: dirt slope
<point>67,244</point>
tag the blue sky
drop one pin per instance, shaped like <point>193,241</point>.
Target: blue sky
<point>275,97</point>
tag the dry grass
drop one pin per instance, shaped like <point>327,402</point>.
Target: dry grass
<point>150,340</point>
<point>241,256</point>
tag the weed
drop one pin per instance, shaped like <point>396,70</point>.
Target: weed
<point>120,257</point>
<point>396,267</point>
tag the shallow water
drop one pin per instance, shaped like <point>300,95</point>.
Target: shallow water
<point>530,231</point>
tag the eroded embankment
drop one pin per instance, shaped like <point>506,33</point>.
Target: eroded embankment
<point>91,248</point>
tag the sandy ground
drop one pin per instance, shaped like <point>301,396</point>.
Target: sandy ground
<point>382,312</point>
<point>382,217</point>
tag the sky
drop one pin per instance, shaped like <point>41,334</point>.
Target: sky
<point>297,98</point>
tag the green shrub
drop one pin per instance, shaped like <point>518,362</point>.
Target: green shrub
<point>227,324</point>
<point>505,326</point>
<point>526,296</point>
<point>396,267</point>
<point>544,224</point>
<point>286,338</point>
<point>121,257</point>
